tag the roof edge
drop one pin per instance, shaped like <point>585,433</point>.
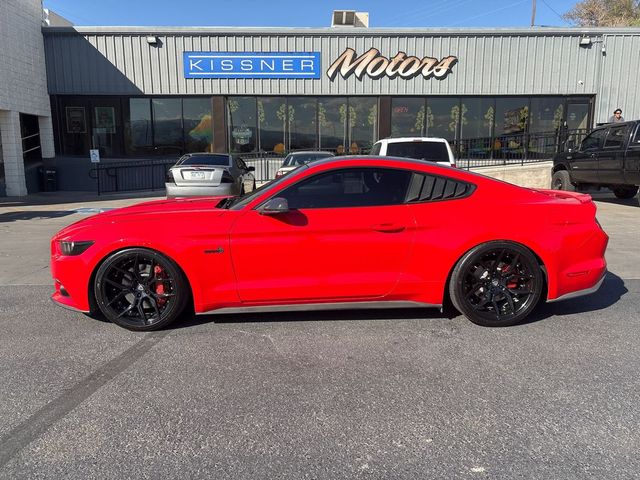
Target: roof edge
<point>332,31</point>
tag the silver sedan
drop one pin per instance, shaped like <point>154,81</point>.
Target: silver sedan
<point>209,174</point>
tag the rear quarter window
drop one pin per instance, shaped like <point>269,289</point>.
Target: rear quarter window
<point>429,188</point>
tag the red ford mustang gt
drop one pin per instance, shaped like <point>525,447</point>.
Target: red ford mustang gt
<point>336,232</point>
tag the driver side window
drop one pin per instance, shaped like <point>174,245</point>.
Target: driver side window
<point>595,140</point>
<point>354,187</point>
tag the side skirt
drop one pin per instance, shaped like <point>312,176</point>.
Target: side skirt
<point>322,306</point>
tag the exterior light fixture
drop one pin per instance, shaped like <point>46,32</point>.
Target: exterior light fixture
<point>152,40</point>
<point>585,42</point>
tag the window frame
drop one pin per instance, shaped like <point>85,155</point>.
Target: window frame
<point>624,128</point>
<point>340,170</point>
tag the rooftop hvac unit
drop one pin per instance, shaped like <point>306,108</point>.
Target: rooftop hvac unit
<point>349,18</point>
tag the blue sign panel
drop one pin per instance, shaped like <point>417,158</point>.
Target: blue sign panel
<point>251,65</point>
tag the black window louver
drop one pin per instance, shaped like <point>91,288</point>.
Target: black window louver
<point>425,188</point>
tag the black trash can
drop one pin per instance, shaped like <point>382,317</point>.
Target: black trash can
<point>48,179</point>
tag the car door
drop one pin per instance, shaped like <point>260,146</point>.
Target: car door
<point>611,157</point>
<point>347,235</point>
<point>632,160</point>
<point>583,163</point>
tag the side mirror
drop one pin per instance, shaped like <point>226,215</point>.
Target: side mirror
<point>570,145</point>
<point>274,206</point>
<point>251,169</point>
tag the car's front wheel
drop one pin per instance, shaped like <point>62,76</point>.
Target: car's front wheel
<point>496,284</point>
<point>561,180</point>
<point>625,191</point>
<point>140,289</point>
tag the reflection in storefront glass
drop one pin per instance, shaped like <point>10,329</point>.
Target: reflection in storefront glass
<point>546,114</point>
<point>198,125</point>
<point>139,133</point>
<point>407,116</point>
<point>332,122</point>
<point>443,118</point>
<point>242,123</point>
<point>167,124</point>
<point>302,122</point>
<point>363,123</point>
<point>272,124</point>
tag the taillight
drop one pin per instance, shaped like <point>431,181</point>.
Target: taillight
<point>169,177</point>
<point>226,177</point>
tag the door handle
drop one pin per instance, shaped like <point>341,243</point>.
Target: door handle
<point>593,155</point>
<point>388,227</point>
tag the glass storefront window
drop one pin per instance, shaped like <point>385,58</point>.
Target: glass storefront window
<point>332,123</point>
<point>363,124</point>
<point>198,124</point>
<point>242,123</point>
<point>546,114</point>
<point>407,117</point>
<point>476,127</point>
<point>302,123</point>
<point>106,131</point>
<point>272,124</point>
<point>167,125</point>
<point>511,115</point>
<point>139,133</point>
<point>443,118</point>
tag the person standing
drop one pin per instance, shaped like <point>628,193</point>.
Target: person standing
<point>617,116</point>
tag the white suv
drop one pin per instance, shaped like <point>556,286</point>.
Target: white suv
<point>431,149</point>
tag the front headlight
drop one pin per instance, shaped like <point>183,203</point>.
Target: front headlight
<point>74,248</point>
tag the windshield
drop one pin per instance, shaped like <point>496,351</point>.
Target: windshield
<point>238,203</point>
<point>431,151</point>
<point>214,160</point>
<point>295,159</point>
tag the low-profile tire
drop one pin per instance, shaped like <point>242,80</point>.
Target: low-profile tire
<point>625,191</point>
<point>561,180</point>
<point>140,289</point>
<point>496,284</point>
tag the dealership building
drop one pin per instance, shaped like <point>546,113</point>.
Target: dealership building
<point>135,94</point>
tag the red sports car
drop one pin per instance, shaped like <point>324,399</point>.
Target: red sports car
<point>336,232</point>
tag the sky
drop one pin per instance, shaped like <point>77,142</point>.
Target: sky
<point>311,13</point>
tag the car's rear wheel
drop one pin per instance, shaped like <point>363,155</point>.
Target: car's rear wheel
<point>561,180</point>
<point>140,289</point>
<point>625,191</point>
<point>496,284</point>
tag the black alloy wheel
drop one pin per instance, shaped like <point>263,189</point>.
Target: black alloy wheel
<point>140,289</point>
<point>625,191</point>
<point>496,284</point>
<point>561,180</point>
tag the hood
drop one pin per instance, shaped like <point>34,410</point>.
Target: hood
<point>146,210</point>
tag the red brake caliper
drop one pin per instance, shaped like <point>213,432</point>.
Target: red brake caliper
<point>159,275</point>
<point>511,284</point>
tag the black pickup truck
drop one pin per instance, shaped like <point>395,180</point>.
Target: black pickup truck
<point>608,157</point>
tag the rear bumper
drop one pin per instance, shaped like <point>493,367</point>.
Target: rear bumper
<point>581,267</point>
<point>225,189</point>
<point>581,293</point>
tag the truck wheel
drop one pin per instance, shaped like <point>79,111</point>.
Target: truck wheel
<point>625,191</point>
<point>562,181</point>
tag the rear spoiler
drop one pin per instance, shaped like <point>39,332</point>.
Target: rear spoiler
<point>563,194</point>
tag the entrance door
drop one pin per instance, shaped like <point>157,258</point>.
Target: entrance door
<point>578,115</point>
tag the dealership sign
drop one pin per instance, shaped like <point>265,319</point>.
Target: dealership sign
<point>251,65</point>
<point>375,65</point>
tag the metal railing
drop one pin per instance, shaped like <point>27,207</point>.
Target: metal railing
<point>513,149</point>
<point>131,176</point>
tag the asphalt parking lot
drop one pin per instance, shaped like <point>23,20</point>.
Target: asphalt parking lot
<point>372,394</point>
